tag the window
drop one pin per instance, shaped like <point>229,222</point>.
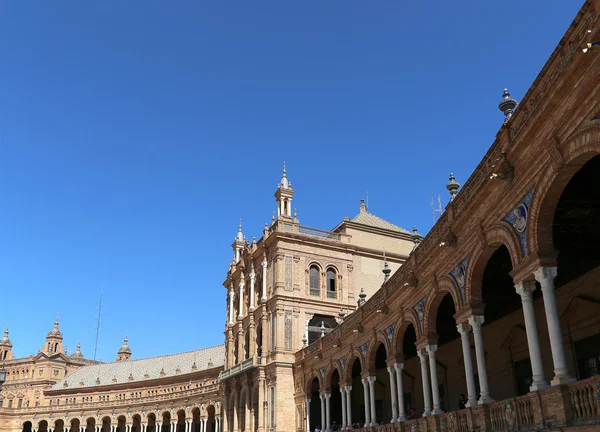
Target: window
<point>313,281</point>
<point>10,403</point>
<point>331,284</point>
<point>20,403</point>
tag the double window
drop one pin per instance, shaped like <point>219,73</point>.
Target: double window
<point>314,282</point>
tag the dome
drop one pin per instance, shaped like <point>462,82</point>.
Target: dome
<point>125,348</point>
<point>55,332</point>
<point>5,341</point>
<point>77,354</point>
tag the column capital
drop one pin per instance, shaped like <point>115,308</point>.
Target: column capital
<point>476,321</point>
<point>348,388</point>
<point>545,276</point>
<point>242,283</point>
<point>422,355</point>
<point>264,263</point>
<point>464,330</point>
<point>371,379</point>
<point>525,289</point>
<point>398,366</point>
<point>431,349</point>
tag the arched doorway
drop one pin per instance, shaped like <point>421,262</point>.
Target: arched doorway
<point>180,421</point>
<point>166,422</point>
<point>409,355</point>
<point>59,426</point>
<point>211,420</point>
<point>106,424</point>
<point>27,426</point>
<point>445,327</point>
<point>151,427</point>
<point>315,404</point>
<point>196,419</point>
<point>90,424</point>
<point>121,424</point>
<point>74,425</point>
<point>335,403</point>
<point>43,426</point>
<point>357,400</point>
<point>383,396</point>
<point>136,423</point>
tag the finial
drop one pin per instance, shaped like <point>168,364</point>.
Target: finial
<point>273,217</point>
<point>56,321</point>
<point>363,207</point>
<point>362,296</point>
<point>322,328</point>
<point>240,234</point>
<point>452,186</point>
<point>342,315</point>
<point>304,341</point>
<point>386,268</point>
<point>295,213</point>
<point>284,183</point>
<point>284,170</point>
<point>507,105</point>
<point>416,237</point>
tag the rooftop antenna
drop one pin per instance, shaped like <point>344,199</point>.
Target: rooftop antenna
<point>367,200</point>
<point>98,325</point>
<point>435,210</point>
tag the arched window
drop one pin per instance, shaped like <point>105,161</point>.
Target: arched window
<point>314,283</point>
<point>331,284</point>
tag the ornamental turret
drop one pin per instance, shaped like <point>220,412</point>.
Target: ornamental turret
<point>283,196</point>
<point>5,347</point>
<point>238,245</point>
<point>54,340</point>
<point>124,352</point>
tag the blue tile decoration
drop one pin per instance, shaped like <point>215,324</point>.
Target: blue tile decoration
<point>518,218</point>
<point>389,332</point>
<point>459,275</point>
<point>363,350</point>
<point>342,363</point>
<point>419,308</point>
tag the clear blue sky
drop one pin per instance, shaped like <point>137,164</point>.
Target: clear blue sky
<point>134,135</point>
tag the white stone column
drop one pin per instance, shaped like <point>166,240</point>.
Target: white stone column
<point>476,321</point>
<point>400,389</point>
<point>545,276</point>
<point>425,378</point>
<point>343,394</point>
<point>367,402</point>
<point>394,394</point>
<point>372,380</point>
<point>348,407</point>
<point>435,390</point>
<point>328,412</point>
<point>157,426</point>
<point>464,331</point>
<point>231,294</point>
<point>525,289</point>
<point>264,282</point>
<point>307,404</point>
<point>241,305</point>
<point>204,421</point>
<point>323,420</point>
<point>252,279</point>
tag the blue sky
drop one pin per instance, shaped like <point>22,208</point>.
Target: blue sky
<point>134,135</point>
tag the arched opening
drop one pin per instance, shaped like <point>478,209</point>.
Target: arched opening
<point>319,326</point>
<point>409,343</point>
<point>121,424</point>
<point>332,287</point>
<point>211,420</point>
<point>152,423</point>
<point>445,327</point>
<point>356,395</point>
<point>59,425</point>
<point>90,424</point>
<point>576,224</point>
<point>180,421</point>
<point>136,423</point>
<point>409,352</point>
<point>383,401</point>
<point>166,422</point>
<point>105,424</point>
<point>247,346</point>
<point>195,419</point>
<point>335,408</point>
<point>315,405</point>
<point>259,340</point>
<point>314,281</point>
<point>27,426</point>
<point>43,426</point>
<point>498,290</point>
<point>236,357</point>
<point>74,425</point>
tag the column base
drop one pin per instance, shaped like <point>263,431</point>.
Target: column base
<point>485,399</point>
<point>471,403</point>
<point>562,378</point>
<point>426,413</point>
<point>401,418</point>
<point>437,410</point>
<point>538,384</point>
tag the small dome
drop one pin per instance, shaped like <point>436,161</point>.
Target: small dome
<point>125,348</point>
<point>55,332</point>
<point>77,354</point>
<point>5,341</point>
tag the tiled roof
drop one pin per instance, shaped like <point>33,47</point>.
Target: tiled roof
<point>366,218</point>
<point>151,366</point>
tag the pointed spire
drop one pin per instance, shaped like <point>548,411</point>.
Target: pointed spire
<point>284,180</point>
<point>240,234</point>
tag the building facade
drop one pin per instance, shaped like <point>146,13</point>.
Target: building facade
<point>493,322</point>
<point>286,290</point>
<point>56,392</point>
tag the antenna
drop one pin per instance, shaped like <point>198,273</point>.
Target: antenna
<point>367,200</point>
<point>436,210</point>
<point>98,325</point>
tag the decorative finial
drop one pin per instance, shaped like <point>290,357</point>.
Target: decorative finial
<point>416,237</point>
<point>56,321</point>
<point>295,213</point>
<point>240,234</point>
<point>363,207</point>
<point>452,186</point>
<point>386,268</point>
<point>304,341</point>
<point>284,183</point>
<point>273,217</point>
<point>342,315</point>
<point>507,105</point>
<point>322,328</point>
<point>284,170</point>
<point>362,297</point>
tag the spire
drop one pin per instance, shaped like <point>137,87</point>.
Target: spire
<point>240,235</point>
<point>507,106</point>
<point>77,354</point>
<point>284,180</point>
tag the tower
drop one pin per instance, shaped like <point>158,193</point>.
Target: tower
<point>238,244</point>
<point>78,354</point>
<point>124,352</point>
<point>5,347</point>
<point>283,196</point>
<point>54,339</point>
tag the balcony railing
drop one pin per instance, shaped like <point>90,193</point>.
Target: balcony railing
<point>241,367</point>
<point>331,294</point>
<point>318,233</point>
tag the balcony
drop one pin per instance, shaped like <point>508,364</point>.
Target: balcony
<point>241,367</point>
